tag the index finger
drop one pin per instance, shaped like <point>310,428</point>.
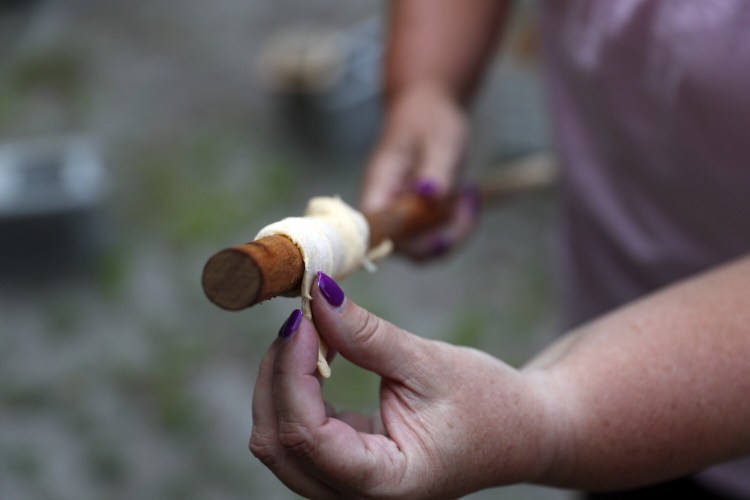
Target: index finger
<point>265,443</point>
<point>328,448</point>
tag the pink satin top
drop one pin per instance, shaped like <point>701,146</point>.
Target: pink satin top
<point>651,111</point>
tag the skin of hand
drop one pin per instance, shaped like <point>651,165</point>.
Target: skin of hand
<point>421,150</point>
<point>421,147</point>
<point>436,52</point>
<point>452,420</point>
<point>649,392</point>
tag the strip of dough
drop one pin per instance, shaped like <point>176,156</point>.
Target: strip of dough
<point>333,238</point>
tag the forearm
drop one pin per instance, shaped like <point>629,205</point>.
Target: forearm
<point>654,390</point>
<point>443,43</point>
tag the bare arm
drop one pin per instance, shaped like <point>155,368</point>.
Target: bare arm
<point>656,389</point>
<point>441,43</point>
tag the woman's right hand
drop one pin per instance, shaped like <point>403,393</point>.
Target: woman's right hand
<point>421,150</point>
<point>451,420</point>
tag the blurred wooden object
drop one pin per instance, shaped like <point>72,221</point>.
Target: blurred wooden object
<point>518,176</point>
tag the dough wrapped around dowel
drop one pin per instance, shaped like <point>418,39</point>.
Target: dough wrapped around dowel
<point>333,238</point>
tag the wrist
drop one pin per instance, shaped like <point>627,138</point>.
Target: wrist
<point>529,440</point>
<point>397,92</point>
<point>555,428</point>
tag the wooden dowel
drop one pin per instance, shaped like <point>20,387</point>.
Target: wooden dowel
<point>244,275</point>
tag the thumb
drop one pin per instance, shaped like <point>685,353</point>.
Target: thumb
<point>454,232</point>
<point>362,337</point>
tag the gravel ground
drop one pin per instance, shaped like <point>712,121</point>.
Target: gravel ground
<point>119,379</point>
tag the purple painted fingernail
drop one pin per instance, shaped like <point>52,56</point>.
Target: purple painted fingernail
<point>425,187</point>
<point>331,291</point>
<point>473,198</point>
<point>440,245</point>
<point>291,324</point>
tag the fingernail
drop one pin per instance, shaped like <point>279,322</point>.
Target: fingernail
<point>425,187</point>
<point>291,324</point>
<point>331,291</point>
<point>473,199</point>
<point>439,245</point>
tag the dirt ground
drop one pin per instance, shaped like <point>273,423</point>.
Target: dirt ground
<point>119,379</point>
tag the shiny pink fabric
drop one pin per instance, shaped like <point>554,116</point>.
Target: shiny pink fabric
<point>651,110</point>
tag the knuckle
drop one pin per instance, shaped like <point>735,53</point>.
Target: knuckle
<point>262,446</point>
<point>365,330</point>
<point>295,438</point>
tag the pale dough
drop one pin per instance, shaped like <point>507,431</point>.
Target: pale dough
<point>333,238</point>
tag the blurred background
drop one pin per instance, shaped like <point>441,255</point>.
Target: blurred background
<point>136,139</point>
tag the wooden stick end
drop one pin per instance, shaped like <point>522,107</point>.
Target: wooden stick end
<point>231,280</point>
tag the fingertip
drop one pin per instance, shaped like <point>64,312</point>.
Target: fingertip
<point>466,215</point>
<point>327,316</point>
<point>298,352</point>
<point>290,326</point>
<point>439,245</point>
<point>426,246</point>
<point>438,168</point>
<point>425,187</point>
<point>452,234</point>
<point>330,290</point>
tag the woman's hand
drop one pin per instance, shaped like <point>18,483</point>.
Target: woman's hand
<point>421,150</point>
<point>452,420</point>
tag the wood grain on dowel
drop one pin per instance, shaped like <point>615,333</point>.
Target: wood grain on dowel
<point>246,274</point>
